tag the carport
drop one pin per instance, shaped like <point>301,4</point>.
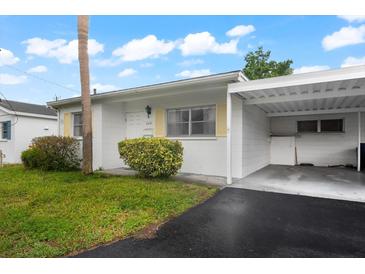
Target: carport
<point>315,118</point>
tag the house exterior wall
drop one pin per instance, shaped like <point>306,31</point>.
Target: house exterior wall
<point>322,149</point>
<point>23,130</point>
<point>201,155</point>
<point>7,146</point>
<point>256,140</point>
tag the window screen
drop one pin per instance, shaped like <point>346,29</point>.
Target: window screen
<point>77,124</point>
<point>333,125</point>
<point>307,126</point>
<point>196,121</point>
<point>6,130</point>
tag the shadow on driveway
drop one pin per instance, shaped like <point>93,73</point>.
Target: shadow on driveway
<point>247,223</point>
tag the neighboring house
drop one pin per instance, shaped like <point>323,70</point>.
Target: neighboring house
<point>20,123</point>
<point>230,126</point>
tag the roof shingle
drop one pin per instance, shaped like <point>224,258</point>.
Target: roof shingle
<point>27,108</point>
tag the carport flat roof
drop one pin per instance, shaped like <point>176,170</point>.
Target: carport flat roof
<point>321,92</point>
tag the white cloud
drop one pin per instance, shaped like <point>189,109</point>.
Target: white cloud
<point>353,61</point>
<point>306,69</point>
<point>240,30</point>
<point>203,42</point>
<point>102,87</point>
<point>191,62</point>
<point>353,18</point>
<point>193,73</point>
<point>65,52</point>
<point>127,72</point>
<point>10,79</point>
<point>147,47</point>
<point>146,65</point>
<point>7,57</point>
<point>38,69</point>
<point>107,62</point>
<point>344,37</point>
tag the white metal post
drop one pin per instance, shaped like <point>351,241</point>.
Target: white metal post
<point>359,142</point>
<point>229,138</point>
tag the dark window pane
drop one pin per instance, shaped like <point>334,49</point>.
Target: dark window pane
<point>307,126</point>
<point>178,129</point>
<point>174,116</point>
<point>197,115</point>
<point>203,114</point>
<point>203,128</point>
<point>77,131</point>
<point>333,125</point>
<point>77,119</point>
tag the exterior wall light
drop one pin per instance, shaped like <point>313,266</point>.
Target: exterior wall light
<point>148,111</point>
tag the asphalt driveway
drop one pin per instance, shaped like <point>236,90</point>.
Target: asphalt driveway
<point>248,223</point>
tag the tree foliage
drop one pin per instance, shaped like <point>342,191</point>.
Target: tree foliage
<point>259,66</point>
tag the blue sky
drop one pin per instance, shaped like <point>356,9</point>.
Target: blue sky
<point>128,51</point>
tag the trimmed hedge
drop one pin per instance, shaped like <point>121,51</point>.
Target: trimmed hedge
<point>152,157</point>
<point>52,153</point>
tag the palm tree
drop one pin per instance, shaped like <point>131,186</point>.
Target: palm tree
<point>87,149</point>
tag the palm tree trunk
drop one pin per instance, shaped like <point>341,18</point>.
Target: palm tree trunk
<point>83,30</point>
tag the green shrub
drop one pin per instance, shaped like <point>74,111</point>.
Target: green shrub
<point>52,153</point>
<point>152,157</point>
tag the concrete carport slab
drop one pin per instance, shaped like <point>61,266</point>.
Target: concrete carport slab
<point>324,182</point>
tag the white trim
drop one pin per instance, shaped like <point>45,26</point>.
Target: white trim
<point>145,90</point>
<point>229,138</point>
<point>26,114</point>
<point>302,97</point>
<point>317,77</point>
<point>359,142</point>
<point>310,112</point>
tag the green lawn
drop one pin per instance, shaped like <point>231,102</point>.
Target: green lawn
<point>47,214</point>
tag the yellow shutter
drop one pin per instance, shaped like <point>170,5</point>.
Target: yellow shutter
<point>221,126</point>
<point>67,124</point>
<point>159,122</point>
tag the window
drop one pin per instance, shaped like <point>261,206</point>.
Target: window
<point>307,126</point>
<point>329,125</point>
<point>77,124</point>
<point>6,130</point>
<point>333,125</point>
<point>195,121</point>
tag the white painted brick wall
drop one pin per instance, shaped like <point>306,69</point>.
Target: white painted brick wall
<point>322,149</point>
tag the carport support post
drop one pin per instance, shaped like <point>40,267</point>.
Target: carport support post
<point>229,138</point>
<point>359,142</point>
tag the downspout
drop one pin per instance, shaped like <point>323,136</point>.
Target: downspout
<point>58,122</point>
<point>359,142</point>
<point>229,138</point>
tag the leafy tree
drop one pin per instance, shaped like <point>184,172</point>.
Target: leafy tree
<point>259,66</point>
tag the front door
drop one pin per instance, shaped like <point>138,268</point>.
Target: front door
<point>135,124</point>
<point>138,125</point>
<point>283,150</point>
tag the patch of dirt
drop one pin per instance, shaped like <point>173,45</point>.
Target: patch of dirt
<point>148,232</point>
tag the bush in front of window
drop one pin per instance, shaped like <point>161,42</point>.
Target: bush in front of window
<point>52,153</point>
<point>152,157</point>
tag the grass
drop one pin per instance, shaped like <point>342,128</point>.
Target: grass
<point>49,214</point>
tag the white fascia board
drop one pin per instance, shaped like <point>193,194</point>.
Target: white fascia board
<point>342,74</point>
<point>313,112</point>
<point>151,88</point>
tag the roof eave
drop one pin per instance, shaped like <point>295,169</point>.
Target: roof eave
<point>233,75</point>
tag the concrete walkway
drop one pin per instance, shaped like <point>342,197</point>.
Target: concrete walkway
<point>325,182</point>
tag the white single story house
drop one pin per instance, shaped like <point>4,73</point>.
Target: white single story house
<point>230,126</point>
<point>20,123</point>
